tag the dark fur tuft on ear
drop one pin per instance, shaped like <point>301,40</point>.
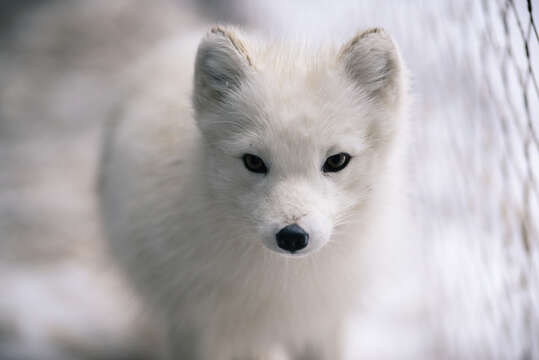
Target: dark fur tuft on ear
<point>372,61</point>
<point>220,66</point>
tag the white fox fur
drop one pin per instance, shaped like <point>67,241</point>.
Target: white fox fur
<point>195,230</point>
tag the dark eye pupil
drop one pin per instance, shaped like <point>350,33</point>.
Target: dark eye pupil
<point>336,162</point>
<point>254,163</point>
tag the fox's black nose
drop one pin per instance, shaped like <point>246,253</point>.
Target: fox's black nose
<point>292,238</point>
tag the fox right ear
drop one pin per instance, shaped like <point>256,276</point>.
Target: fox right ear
<point>220,67</point>
<point>372,61</point>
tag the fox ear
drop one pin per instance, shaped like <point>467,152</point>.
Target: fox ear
<point>372,61</point>
<point>221,65</point>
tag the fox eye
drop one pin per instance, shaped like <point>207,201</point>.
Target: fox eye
<point>336,162</point>
<point>254,163</point>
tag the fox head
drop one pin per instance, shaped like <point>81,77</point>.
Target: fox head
<point>297,141</point>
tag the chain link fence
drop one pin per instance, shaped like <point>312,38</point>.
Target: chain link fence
<point>509,50</point>
<point>511,62</point>
<point>486,251</point>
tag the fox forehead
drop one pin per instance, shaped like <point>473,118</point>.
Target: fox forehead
<point>296,144</point>
<point>277,116</point>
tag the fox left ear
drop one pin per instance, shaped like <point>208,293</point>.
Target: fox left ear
<point>221,65</point>
<point>372,61</point>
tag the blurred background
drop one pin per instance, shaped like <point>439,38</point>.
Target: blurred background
<point>473,168</point>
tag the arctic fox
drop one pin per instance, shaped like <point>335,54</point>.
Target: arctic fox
<point>249,197</point>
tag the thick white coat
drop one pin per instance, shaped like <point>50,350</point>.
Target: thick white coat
<point>194,229</point>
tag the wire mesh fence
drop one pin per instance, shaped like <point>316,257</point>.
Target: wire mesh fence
<point>509,53</point>
<point>513,63</point>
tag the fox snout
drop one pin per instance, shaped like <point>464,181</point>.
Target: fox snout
<point>292,238</point>
<point>295,218</point>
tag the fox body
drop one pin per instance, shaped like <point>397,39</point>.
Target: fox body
<point>217,149</point>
